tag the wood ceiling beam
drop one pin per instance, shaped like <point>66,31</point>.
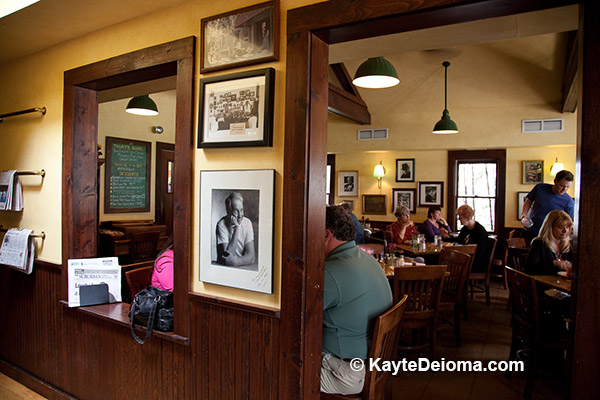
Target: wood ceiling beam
<point>346,101</point>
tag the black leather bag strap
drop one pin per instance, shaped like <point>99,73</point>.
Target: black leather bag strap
<point>150,321</point>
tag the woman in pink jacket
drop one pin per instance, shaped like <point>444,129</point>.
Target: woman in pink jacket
<point>162,276</point>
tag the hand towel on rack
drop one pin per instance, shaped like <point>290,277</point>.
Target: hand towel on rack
<point>18,250</point>
<point>11,192</point>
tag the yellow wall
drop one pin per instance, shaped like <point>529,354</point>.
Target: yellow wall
<point>115,122</point>
<point>36,143</point>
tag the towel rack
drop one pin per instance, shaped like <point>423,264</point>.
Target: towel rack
<point>41,235</point>
<point>40,172</point>
<point>29,110</point>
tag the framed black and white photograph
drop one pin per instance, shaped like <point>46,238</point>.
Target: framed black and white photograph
<point>404,197</point>
<point>237,109</point>
<point>405,170</point>
<point>245,36</point>
<point>374,204</point>
<point>520,201</point>
<point>236,228</point>
<point>431,194</point>
<point>533,171</point>
<point>348,183</point>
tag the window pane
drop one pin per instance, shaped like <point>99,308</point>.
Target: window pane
<point>477,179</point>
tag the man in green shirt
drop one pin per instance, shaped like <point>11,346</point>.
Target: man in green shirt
<point>355,291</point>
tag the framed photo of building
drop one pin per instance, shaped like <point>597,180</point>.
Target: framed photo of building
<point>236,228</point>
<point>246,36</point>
<point>405,170</point>
<point>431,194</point>
<point>373,204</point>
<point>348,183</point>
<point>404,197</point>
<point>533,171</point>
<point>237,109</point>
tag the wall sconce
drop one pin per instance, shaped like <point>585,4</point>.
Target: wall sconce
<point>379,173</point>
<point>157,129</point>
<point>556,168</point>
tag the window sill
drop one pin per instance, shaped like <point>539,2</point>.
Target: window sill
<point>118,313</point>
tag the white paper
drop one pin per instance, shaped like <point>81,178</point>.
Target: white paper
<point>93,271</point>
<point>6,189</point>
<point>18,250</point>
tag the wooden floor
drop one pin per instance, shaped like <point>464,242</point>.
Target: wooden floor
<point>485,337</point>
<point>13,390</point>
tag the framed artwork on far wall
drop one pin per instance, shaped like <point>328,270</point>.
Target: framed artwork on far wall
<point>373,204</point>
<point>405,170</point>
<point>236,228</point>
<point>431,194</point>
<point>520,202</point>
<point>404,197</point>
<point>245,36</point>
<point>236,110</point>
<point>348,183</point>
<point>533,171</point>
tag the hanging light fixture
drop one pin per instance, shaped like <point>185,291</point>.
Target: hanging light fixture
<point>376,73</point>
<point>142,105</point>
<point>445,126</point>
<point>379,173</point>
<point>556,168</point>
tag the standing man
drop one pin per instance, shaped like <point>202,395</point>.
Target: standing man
<point>544,198</point>
<point>235,235</point>
<point>355,292</point>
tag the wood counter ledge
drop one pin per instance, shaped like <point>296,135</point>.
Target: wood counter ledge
<point>119,313</point>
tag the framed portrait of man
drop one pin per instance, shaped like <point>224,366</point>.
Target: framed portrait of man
<point>431,194</point>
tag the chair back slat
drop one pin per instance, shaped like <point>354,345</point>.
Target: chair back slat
<point>144,245</point>
<point>458,265</point>
<point>423,286</point>
<point>525,304</point>
<point>138,279</point>
<point>517,257</point>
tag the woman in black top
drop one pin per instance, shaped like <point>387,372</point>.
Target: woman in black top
<point>551,251</point>
<point>473,232</point>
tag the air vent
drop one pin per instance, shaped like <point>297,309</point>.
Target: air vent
<point>372,134</point>
<point>542,125</point>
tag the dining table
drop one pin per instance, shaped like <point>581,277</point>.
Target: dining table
<point>389,269</point>
<point>554,281</point>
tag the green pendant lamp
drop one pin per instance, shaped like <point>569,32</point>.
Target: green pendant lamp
<point>445,126</point>
<point>142,105</point>
<point>376,73</point>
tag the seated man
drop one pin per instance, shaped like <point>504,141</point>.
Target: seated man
<point>355,291</point>
<point>235,236</point>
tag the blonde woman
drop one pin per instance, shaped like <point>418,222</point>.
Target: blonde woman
<point>551,250</point>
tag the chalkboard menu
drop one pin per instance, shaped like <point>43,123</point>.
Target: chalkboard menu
<point>127,176</point>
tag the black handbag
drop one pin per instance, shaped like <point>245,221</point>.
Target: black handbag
<point>153,308</point>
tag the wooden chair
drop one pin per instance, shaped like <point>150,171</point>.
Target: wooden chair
<point>144,245</point>
<point>125,292</point>
<point>423,285</point>
<point>469,249</point>
<point>458,265</point>
<point>138,279</point>
<point>517,257</point>
<point>373,249</point>
<point>383,345</point>
<point>529,337</point>
<point>512,241</point>
<point>475,277</point>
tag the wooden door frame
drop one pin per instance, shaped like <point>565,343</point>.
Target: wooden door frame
<point>158,174</point>
<point>310,30</point>
<point>80,136</point>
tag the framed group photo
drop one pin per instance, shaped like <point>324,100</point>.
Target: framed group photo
<point>431,194</point>
<point>373,204</point>
<point>405,170</point>
<point>237,109</point>
<point>348,183</point>
<point>236,228</point>
<point>404,197</point>
<point>246,36</point>
<point>533,171</point>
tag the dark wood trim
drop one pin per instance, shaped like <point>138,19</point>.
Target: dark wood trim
<point>347,105</point>
<point>47,265</point>
<point>80,133</point>
<point>332,178</point>
<point>569,84</point>
<point>345,80</point>
<point>499,157</point>
<point>32,382</point>
<point>271,312</point>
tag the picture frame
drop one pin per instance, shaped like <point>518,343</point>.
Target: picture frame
<point>374,204</point>
<point>533,172</point>
<point>241,37</point>
<point>236,110</point>
<point>431,194</point>
<point>520,201</point>
<point>127,179</point>
<point>404,197</point>
<point>221,194</point>
<point>405,170</point>
<point>348,184</point>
